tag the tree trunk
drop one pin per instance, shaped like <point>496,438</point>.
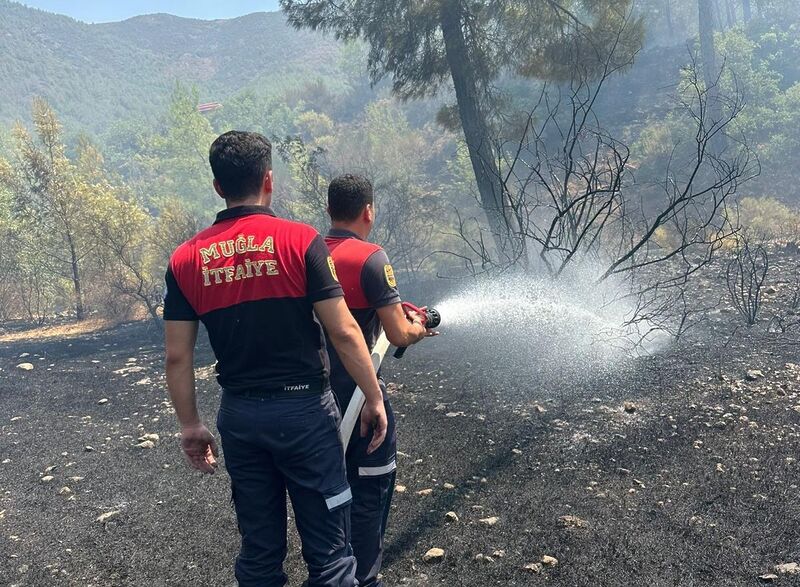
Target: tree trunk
<point>476,132</point>
<point>668,15</point>
<point>717,22</point>
<point>708,54</point>
<point>76,280</point>
<point>731,10</point>
<point>747,11</point>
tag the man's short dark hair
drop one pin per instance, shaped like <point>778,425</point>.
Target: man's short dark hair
<point>347,197</point>
<point>240,162</point>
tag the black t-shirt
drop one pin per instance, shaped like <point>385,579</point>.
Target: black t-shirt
<point>252,279</point>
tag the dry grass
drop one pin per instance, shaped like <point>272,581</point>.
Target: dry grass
<point>59,331</point>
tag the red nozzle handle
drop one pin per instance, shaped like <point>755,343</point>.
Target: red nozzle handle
<point>408,307</point>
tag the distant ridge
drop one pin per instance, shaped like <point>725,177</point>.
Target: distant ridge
<point>96,74</point>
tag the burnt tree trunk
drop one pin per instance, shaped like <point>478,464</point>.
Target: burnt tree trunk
<point>747,10</point>
<point>711,71</point>
<point>668,15</point>
<point>476,132</point>
<point>76,280</point>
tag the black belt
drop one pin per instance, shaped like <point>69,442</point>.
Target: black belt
<point>281,391</point>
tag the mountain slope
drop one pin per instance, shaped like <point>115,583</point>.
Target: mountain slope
<point>94,74</point>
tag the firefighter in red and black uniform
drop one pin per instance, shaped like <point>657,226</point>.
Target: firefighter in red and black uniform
<point>255,281</point>
<point>371,293</point>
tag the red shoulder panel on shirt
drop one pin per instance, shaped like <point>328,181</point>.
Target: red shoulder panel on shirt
<point>350,255</point>
<point>243,259</point>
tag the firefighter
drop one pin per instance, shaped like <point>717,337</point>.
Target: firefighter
<point>255,281</point>
<point>371,293</point>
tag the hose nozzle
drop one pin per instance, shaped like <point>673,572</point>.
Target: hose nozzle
<point>431,319</point>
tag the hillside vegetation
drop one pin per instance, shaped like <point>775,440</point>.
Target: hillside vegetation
<point>96,74</point>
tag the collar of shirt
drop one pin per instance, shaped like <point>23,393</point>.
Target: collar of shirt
<point>343,233</point>
<point>239,211</point>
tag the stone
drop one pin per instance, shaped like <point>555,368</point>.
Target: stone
<point>480,557</point>
<point>146,445</point>
<point>549,561</point>
<point>150,437</point>
<point>88,448</point>
<point>434,555</point>
<point>538,409</point>
<point>572,522</point>
<point>768,578</point>
<point>755,375</point>
<point>25,366</point>
<point>451,517</point>
<point>400,489</point>
<point>492,521</point>
<point>103,518</point>
<point>65,491</point>
<point>533,568</point>
<point>102,401</point>
<point>499,554</point>
<point>449,486</point>
<point>425,492</point>
<point>788,569</point>
<point>629,407</point>
<point>46,479</point>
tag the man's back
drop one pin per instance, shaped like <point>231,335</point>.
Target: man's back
<point>252,278</point>
<point>368,282</point>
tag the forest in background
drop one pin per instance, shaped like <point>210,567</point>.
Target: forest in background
<point>105,170</point>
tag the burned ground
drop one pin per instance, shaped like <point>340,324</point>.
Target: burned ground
<point>693,482</point>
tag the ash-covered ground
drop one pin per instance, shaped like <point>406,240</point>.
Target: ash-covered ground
<point>675,469</point>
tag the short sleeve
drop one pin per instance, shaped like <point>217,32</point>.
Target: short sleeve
<point>176,306</point>
<point>322,283</point>
<point>378,281</point>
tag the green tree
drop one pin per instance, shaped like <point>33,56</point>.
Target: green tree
<point>422,44</point>
<point>51,199</point>
<point>173,161</point>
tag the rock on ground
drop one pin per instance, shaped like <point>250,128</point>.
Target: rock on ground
<point>433,555</point>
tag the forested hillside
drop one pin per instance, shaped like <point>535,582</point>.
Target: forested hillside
<point>622,133</point>
<point>94,75</point>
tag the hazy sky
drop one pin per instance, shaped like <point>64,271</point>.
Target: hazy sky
<point>110,10</point>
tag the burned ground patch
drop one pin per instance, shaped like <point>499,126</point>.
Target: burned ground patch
<point>677,469</point>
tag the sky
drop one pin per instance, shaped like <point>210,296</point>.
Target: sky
<point>112,10</point>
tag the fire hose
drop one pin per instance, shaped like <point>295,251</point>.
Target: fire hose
<point>431,319</point>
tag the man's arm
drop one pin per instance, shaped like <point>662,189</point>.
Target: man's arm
<point>401,330</point>
<point>347,338</point>
<point>197,442</point>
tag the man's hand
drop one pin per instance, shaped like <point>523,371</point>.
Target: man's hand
<point>373,415</point>
<point>418,319</point>
<point>200,448</point>
<point>347,338</point>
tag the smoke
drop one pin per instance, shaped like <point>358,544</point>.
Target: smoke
<point>531,325</point>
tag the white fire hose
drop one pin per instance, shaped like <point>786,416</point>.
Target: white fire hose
<point>353,413</point>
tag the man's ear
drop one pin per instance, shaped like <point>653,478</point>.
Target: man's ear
<point>268,182</point>
<point>218,189</point>
<point>369,214</point>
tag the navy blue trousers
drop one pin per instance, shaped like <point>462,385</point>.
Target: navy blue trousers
<point>275,444</point>
<point>372,479</point>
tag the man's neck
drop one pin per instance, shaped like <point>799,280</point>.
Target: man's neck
<point>260,200</point>
<point>356,228</point>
